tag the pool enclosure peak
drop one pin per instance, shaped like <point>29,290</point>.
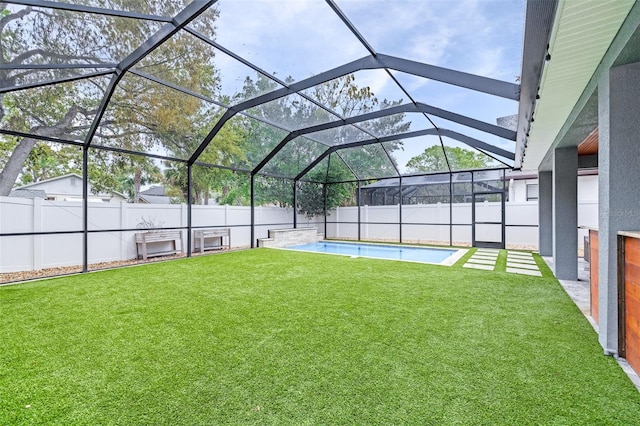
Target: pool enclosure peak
<point>275,89</point>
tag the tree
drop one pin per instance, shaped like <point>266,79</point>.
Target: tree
<point>140,117</point>
<point>345,97</point>
<point>46,162</point>
<point>224,150</point>
<point>312,198</point>
<point>433,159</point>
<point>123,173</point>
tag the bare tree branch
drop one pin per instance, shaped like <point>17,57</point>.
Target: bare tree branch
<point>14,16</point>
<point>63,128</point>
<point>20,59</point>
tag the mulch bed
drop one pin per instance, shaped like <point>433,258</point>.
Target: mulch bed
<point>15,277</point>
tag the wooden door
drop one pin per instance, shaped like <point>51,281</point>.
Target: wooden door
<point>632,302</point>
<point>593,273</point>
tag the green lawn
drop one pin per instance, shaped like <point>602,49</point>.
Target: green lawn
<point>276,337</point>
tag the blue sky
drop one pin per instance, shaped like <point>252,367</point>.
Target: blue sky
<point>300,38</point>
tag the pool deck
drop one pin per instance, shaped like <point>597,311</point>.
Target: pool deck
<point>578,291</point>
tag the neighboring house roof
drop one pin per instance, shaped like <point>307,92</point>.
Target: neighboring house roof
<point>155,195</point>
<point>155,199</point>
<point>46,183</point>
<point>155,190</point>
<point>28,193</point>
<point>40,182</point>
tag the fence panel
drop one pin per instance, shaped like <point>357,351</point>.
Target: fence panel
<point>421,223</point>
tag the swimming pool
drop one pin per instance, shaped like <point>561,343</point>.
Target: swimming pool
<point>439,256</point>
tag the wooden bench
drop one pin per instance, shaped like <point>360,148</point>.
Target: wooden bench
<point>143,239</point>
<point>200,237</point>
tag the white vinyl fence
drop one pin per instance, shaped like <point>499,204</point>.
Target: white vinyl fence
<point>425,223</point>
<point>429,223</point>
<point>65,247</point>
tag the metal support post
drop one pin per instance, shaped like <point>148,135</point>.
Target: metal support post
<point>450,209</point>
<point>400,208</point>
<point>358,202</point>
<point>324,196</point>
<point>295,203</point>
<point>253,215</point>
<point>503,206</point>
<point>85,209</point>
<point>473,219</point>
<point>189,203</point>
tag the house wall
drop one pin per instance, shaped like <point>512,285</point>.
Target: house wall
<point>587,211</point>
<point>587,188</point>
<point>68,185</point>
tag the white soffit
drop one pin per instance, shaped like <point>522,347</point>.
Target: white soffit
<point>582,33</point>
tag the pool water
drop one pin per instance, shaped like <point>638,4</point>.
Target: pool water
<point>379,251</point>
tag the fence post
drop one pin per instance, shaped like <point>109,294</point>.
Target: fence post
<point>123,225</point>
<point>447,210</point>
<point>37,239</point>
<point>366,221</point>
<point>184,222</point>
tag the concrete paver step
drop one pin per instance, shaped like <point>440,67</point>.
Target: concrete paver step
<point>522,266</point>
<point>481,261</point>
<point>478,266</point>
<point>524,272</point>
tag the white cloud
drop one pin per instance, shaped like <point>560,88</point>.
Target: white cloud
<point>489,63</point>
<point>297,38</point>
<point>431,48</point>
<point>305,37</point>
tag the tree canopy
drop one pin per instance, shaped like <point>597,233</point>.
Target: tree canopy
<point>141,115</point>
<point>167,104</point>
<point>433,159</point>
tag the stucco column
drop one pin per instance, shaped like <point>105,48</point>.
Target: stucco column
<point>545,213</point>
<point>619,185</point>
<point>565,213</point>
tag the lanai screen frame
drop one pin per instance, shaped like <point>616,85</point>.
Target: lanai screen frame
<point>375,60</point>
<point>504,189</point>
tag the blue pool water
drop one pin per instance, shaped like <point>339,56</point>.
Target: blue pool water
<point>406,253</point>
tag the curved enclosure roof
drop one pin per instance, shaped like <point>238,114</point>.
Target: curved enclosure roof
<point>317,90</point>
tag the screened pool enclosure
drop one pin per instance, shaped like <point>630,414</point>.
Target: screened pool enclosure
<point>124,117</point>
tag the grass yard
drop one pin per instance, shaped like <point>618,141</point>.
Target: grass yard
<point>276,337</point>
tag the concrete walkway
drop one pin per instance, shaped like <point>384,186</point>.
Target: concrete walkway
<point>578,291</point>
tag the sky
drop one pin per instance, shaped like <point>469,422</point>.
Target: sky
<point>300,38</point>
